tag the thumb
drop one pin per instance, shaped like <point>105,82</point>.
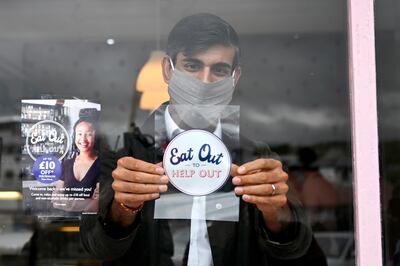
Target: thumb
<point>234,169</point>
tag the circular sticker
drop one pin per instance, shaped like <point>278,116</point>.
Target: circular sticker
<point>197,162</point>
<point>47,169</point>
<point>47,137</point>
<point>47,143</point>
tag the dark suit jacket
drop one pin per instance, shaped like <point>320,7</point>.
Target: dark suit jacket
<point>151,242</point>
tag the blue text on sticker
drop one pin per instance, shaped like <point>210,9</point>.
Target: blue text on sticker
<point>204,155</point>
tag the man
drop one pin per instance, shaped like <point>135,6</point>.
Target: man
<point>202,53</point>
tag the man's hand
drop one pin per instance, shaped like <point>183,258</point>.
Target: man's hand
<point>135,182</point>
<point>255,182</point>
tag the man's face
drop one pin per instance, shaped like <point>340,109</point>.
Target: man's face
<point>212,65</point>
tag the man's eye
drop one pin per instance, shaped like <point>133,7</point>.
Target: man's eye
<point>192,67</point>
<point>221,71</point>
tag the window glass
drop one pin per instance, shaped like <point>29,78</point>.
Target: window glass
<point>292,93</point>
<point>387,63</point>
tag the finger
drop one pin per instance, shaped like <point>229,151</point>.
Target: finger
<point>258,164</point>
<point>131,200</point>
<point>277,200</point>
<point>137,188</point>
<point>139,165</point>
<point>274,176</point>
<point>124,174</point>
<point>262,190</point>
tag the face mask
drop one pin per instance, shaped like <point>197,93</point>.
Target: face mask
<point>186,89</point>
<point>199,104</point>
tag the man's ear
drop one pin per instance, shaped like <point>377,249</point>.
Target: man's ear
<point>166,69</point>
<point>238,73</point>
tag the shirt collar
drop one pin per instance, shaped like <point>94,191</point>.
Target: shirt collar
<point>171,126</point>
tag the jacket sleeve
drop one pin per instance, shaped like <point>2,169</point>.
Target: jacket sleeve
<point>296,246</point>
<point>295,241</point>
<point>300,247</point>
<point>98,236</point>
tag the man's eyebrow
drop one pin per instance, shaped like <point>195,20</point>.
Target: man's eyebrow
<point>192,60</point>
<point>222,64</point>
<point>197,61</point>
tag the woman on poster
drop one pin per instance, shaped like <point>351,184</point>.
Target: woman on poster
<point>78,187</point>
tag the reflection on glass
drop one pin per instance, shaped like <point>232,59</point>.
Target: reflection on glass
<point>388,58</point>
<point>292,95</point>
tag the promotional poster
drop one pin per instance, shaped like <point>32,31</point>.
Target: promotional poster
<point>60,157</point>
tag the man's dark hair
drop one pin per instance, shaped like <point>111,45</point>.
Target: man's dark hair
<point>199,32</point>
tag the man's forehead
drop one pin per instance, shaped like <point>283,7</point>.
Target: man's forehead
<point>214,55</point>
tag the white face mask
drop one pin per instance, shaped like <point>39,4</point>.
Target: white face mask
<point>186,89</point>
<point>199,104</point>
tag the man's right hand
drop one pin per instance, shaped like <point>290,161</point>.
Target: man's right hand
<point>135,182</point>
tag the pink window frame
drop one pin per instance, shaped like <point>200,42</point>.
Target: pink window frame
<point>362,83</point>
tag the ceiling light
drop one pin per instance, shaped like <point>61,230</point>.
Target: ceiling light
<point>110,41</point>
<point>10,195</point>
<point>69,229</point>
<point>151,83</point>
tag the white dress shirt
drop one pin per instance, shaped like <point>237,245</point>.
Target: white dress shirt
<point>199,247</point>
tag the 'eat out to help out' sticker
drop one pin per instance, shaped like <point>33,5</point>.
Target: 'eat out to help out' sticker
<point>197,162</point>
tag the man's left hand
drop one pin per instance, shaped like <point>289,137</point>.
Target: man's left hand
<point>255,182</point>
